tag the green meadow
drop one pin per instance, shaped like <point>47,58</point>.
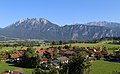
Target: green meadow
<point>5,66</point>
<point>104,67</point>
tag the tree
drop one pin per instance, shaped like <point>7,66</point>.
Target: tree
<point>60,42</point>
<point>98,56</point>
<point>53,43</point>
<point>90,53</point>
<point>37,71</point>
<point>66,47</point>
<point>1,46</point>
<point>53,70</point>
<point>47,55</point>
<point>77,65</point>
<point>29,58</point>
<point>30,52</point>
<point>38,60</point>
<point>55,54</point>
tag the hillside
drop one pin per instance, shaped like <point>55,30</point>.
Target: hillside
<point>40,28</point>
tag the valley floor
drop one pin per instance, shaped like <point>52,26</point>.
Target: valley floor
<point>97,66</point>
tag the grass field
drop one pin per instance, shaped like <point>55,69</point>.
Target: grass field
<point>96,44</point>
<point>104,67</point>
<point>4,66</point>
<point>102,44</point>
<point>10,48</point>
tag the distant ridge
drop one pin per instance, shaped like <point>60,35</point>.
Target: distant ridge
<point>40,28</point>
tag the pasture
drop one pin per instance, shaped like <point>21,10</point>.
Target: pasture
<point>104,67</point>
<point>5,66</point>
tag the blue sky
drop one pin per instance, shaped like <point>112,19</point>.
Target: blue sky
<point>60,12</point>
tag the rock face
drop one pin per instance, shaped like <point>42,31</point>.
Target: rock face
<point>40,28</point>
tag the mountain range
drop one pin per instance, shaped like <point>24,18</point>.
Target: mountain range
<point>40,28</point>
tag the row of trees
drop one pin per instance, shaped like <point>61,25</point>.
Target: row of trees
<point>71,41</point>
<point>26,43</point>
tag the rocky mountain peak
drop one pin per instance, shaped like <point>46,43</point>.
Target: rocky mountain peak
<point>40,28</point>
<point>31,23</point>
<point>32,20</point>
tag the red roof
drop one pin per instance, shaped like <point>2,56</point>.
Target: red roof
<point>17,53</point>
<point>51,53</point>
<point>100,52</point>
<point>14,55</point>
<point>104,53</point>
<point>39,50</point>
<point>45,60</point>
<point>97,52</point>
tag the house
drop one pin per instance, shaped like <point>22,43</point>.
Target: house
<point>2,59</point>
<point>15,56</point>
<point>11,72</point>
<point>100,53</point>
<point>69,53</point>
<point>40,51</point>
<point>63,59</point>
<point>85,54</point>
<point>51,52</point>
<point>61,53</point>
<point>92,49</point>
<point>44,60</point>
<point>56,63</point>
<point>91,59</point>
<point>63,49</point>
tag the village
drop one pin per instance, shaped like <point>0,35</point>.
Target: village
<point>55,56</point>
